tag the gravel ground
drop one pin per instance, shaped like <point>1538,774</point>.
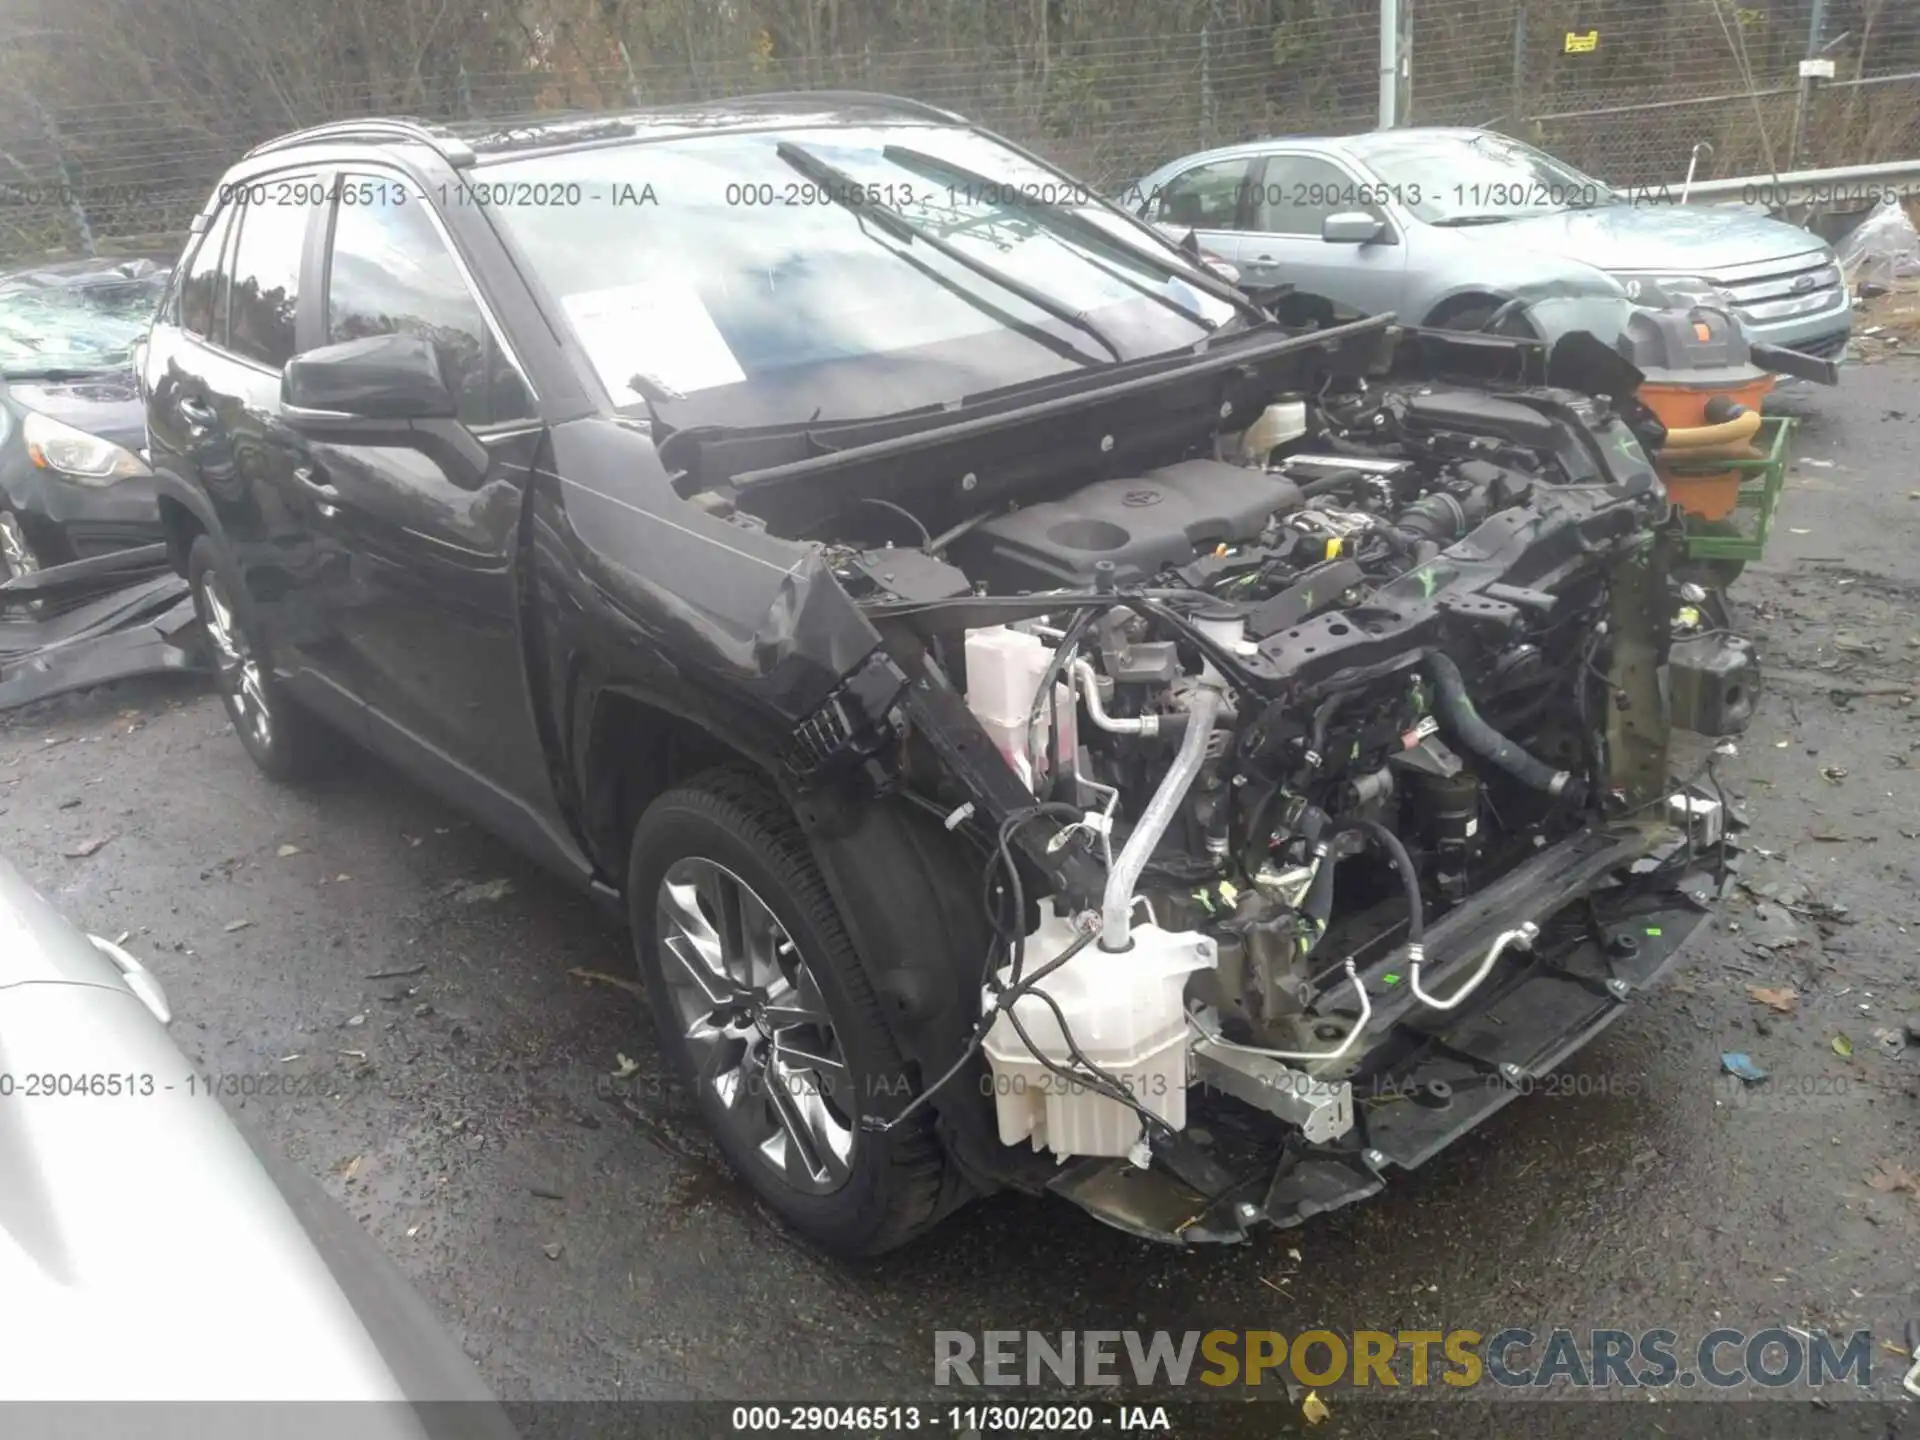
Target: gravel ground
<point>463,1016</point>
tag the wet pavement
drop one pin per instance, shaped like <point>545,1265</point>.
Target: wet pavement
<point>458,1040</point>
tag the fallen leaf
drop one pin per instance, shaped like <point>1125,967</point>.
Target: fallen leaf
<point>483,890</point>
<point>285,850</point>
<point>1889,1176</point>
<point>599,977</point>
<point>1780,998</point>
<point>1843,1047</point>
<point>353,1167</point>
<point>85,847</point>
<point>1314,1408</point>
<point>627,1067</point>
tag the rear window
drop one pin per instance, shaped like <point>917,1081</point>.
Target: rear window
<point>713,264</point>
<point>59,320</point>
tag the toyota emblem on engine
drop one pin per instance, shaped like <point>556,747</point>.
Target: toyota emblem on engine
<point>1138,498</point>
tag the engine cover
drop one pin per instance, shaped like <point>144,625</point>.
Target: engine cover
<point>1164,517</point>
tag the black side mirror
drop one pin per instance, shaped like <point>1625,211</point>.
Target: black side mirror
<point>383,377</point>
<point>383,390</point>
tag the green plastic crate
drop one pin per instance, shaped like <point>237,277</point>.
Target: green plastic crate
<point>1743,535</point>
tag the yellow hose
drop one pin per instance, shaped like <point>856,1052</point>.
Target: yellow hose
<point>1740,428</point>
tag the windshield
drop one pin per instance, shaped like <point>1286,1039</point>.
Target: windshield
<point>55,322</point>
<point>1481,178</point>
<point>719,263</point>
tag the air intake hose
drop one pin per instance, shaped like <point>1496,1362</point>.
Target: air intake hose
<point>1474,735</point>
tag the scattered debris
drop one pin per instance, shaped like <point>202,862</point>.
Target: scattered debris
<point>600,977</point>
<point>1314,1408</point>
<point>627,1067</point>
<point>1833,774</point>
<point>85,847</point>
<point>1781,999</point>
<point>540,1192</point>
<point>552,1252</point>
<point>233,925</point>
<point>1738,1063</point>
<point>353,1167</point>
<point>397,974</point>
<point>285,850</point>
<point>354,1022</point>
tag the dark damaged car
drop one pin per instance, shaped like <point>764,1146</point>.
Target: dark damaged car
<point>1050,723</point>
<point>72,483</point>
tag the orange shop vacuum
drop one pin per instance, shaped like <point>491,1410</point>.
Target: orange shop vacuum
<point>1707,385</point>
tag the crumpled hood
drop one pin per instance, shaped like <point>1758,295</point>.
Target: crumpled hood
<point>1684,240</point>
<point>107,405</point>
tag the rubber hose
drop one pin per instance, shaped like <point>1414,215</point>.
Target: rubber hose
<point>1744,427</point>
<point>1409,877</point>
<point>1475,735</point>
<point>1318,903</point>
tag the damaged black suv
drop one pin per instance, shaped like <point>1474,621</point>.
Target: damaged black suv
<point>1050,721</point>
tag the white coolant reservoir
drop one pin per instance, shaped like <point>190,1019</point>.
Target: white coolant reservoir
<point>1004,670</point>
<point>1280,422</point>
<point>1125,1011</point>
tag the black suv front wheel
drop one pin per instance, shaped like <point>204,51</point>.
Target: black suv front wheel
<point>765,1011</point>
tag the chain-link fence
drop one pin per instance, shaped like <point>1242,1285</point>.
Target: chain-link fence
<point>99,152</point>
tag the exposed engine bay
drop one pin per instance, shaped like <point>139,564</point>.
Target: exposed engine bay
<point>1329,779</point>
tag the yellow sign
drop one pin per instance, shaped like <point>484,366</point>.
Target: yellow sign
<point>1583,44</point>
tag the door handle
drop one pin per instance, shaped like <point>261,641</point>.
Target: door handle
<point>196,413</point>
<point>1263,260</point>
<point>315,480</point>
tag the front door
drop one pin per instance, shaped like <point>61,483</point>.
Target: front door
<point>1292,195</point>
<point>435,615</point>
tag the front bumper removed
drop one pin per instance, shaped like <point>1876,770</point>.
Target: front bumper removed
<point>1607,934</point>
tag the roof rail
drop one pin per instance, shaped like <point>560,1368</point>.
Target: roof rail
<point>898,102</point>
<point>453,150</point>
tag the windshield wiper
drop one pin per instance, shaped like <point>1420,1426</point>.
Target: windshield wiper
<point>850,194</point>
<point>58,372</point>
<point>1091,230</point>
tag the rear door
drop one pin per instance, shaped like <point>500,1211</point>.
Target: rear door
<point>1292,194</point>
<point>214,411</point>
<point>435,619</point>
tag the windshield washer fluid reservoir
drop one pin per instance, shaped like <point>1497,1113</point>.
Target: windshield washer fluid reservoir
<point>1004,670</point>
<point>1126,1013</point>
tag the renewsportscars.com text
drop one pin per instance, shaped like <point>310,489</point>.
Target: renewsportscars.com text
<point>1513,1358</point>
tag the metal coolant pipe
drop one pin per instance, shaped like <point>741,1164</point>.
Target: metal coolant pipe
<point>1117,905</point>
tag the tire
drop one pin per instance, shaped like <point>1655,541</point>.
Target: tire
<point>725,845</point>
<point>283,739</point>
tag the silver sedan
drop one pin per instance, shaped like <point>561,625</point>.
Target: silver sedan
<point>1447,227</point>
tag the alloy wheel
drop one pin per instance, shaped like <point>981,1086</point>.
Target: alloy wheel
<point>758,1029</point>
<point>240,674</point>
<point>16,554</point>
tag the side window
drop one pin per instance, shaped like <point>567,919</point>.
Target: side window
<point>1206,197</point>
<point>265,268</point>
<point>390,272</point>
<point>204,279</point>
<point>1298,192</point>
